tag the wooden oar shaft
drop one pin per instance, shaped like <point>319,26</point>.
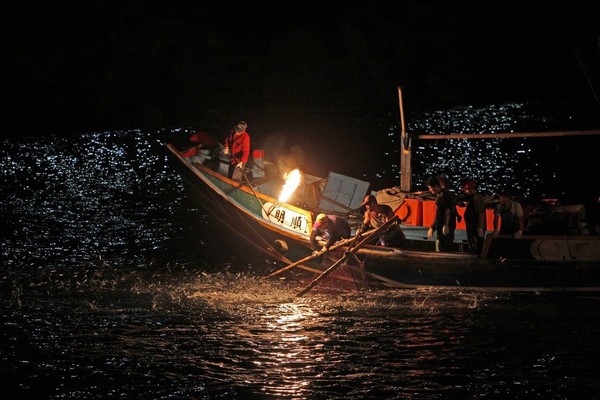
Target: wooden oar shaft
<point>346,255</point>
<point>324,274</point>
<point>308,258</point>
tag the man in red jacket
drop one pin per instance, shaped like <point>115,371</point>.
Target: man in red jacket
<point>237,146</point>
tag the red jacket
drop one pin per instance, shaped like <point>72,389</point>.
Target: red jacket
<point>239,147</point>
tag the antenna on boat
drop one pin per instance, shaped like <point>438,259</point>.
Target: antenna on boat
<point>405,151</point>
<point>589,79</point>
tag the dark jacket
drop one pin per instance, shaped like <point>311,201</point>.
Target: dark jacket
<point>337,228</point>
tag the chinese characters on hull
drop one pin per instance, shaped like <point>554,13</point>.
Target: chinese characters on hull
<point>285,217</point>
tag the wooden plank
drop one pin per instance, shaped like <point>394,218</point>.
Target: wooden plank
<point>405,152</point>
<point>508,135</point>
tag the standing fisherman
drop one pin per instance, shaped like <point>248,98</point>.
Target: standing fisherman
<point>445,215</point>
<point>475,219</point>
<point>237,145</point>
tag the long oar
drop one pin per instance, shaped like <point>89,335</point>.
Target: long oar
<point>308,258</point>
<point>346,255</point>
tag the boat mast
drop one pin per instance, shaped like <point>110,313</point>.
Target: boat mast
<point>405,151</point>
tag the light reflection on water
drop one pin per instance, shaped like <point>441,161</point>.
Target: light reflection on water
<point>231,332</point>
<point>179,332</point>
<point>115,284</point>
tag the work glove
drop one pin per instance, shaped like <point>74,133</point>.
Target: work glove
<point>240,165</point>
<point>496,234</point>
<point>445,229</point>
<point>226,150</point>
<point>430,233</point>
<point>480,232</point>
<point>518,234</point>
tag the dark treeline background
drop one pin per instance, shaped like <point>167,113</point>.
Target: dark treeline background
<point>74,66</point>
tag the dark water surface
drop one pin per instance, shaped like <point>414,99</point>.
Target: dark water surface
<point>115,284</point>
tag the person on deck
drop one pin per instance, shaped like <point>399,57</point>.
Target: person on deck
<point>445,184</point>
<point>331,228</point>
<point>378,214</point>
<point>445,216</point>
<point>237,146</point>
<point>202,141</point>
<point>510,212</point>
<point>474,215</point>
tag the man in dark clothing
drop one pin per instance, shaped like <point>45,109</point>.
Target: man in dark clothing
<point>331,228</point>
<point>475,219</point>
<point>509,214</point>
<point>445,216</point>
<point>378,214</point>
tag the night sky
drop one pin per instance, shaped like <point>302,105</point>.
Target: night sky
<point>75,66</point>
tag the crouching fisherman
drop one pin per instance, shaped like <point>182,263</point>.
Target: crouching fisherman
<point>378,214</point>
<point>200,141</point>
<point>510,214</point>
<point>331,228</point>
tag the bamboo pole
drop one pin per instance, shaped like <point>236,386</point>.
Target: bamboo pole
<point>308,258</point>
<point>509,135</point>
<point>347,254</point>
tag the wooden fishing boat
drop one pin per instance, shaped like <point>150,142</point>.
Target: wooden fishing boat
<point>252,210</point>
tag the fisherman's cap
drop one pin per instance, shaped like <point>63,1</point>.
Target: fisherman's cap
<point>368,199</point>
<point>320,220</point>
<point>322,217</point>
<point>470,184</point>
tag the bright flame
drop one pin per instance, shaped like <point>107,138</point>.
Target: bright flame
<point>292,180</point>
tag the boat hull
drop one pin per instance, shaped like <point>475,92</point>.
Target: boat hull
<point>242,212</point>
<point>448,270</point>
<point>281,231</point>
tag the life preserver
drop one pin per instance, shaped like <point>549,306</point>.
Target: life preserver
<point>403,211</point>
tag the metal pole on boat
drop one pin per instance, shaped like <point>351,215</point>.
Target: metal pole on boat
<point>405,151</point>
<point>585,71</point>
